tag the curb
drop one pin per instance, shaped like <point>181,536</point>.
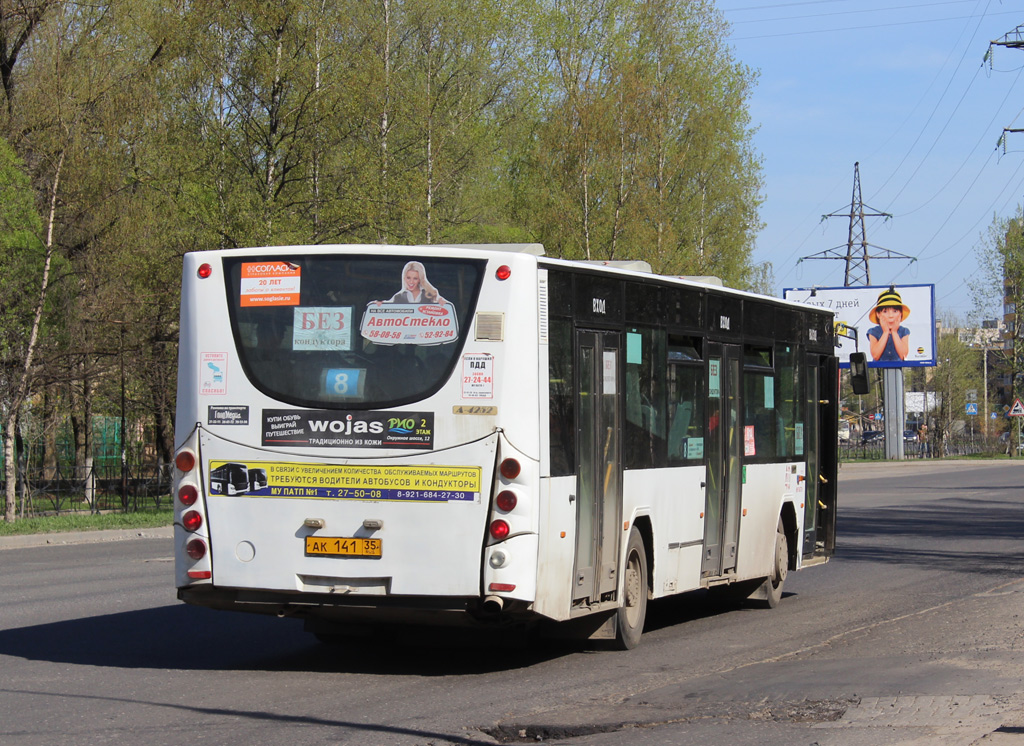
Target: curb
<point>85,537</point>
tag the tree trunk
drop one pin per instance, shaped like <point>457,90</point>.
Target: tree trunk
<point>51,466</point>
<point>21,392</point>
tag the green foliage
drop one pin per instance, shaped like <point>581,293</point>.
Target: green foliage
<point>1000,293</point>
<point>21,256</point>
<point>602,128</point>
<point>642,148</point>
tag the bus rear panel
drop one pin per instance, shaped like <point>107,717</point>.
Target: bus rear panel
<point>343,420</point>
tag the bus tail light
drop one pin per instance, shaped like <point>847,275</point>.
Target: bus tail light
<point>499,529</point>
<point>503,272</point>
<point>510,468</point>
<point>192,520</point>
<point>507,500</point>
<point>185,460</point>
<point>188,494</point>
<point>196,549</point>
<point>205,270</point>
<point>502,587</point>
<point>192,555</point>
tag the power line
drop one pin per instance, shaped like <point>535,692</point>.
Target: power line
<point>938,103</point>
<point>924,95</point>
<point>985,134</point>
<point>916,22</point>
<point>859,11</point>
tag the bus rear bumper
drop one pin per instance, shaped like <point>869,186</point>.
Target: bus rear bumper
<point>326,611</point>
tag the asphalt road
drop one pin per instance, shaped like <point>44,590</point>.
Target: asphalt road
<point>913,634</point>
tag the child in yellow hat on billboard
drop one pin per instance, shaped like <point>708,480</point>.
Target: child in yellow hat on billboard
<point>890,339</point>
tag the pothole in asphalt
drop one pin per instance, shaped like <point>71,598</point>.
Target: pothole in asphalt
<point>537,733</point>
<point>803,711</point>
<point>808,711</point>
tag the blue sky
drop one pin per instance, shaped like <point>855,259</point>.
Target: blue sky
<point>902,88</point>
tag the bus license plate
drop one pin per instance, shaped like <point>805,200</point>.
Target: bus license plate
<point>338,546</point>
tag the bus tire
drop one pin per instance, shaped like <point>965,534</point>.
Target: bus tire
<point>630,616</point>
<point>771,591</point>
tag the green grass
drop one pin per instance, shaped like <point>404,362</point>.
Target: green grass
<point>86,522</point>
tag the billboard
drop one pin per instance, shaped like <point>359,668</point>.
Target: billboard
<point>893,325</point>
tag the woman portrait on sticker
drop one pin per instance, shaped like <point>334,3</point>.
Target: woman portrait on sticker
<point>416,288</point>
<point>889,340</point>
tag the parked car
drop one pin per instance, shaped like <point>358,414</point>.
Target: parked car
<point>910,436</point>
<point>872,436</point>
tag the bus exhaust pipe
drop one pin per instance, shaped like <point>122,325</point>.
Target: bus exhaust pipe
<point>493,604</point>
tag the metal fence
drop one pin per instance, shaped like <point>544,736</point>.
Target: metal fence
<point>94,489</point>
<point>957,445</point>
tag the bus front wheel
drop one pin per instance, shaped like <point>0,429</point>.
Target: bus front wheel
<point>629,619</point>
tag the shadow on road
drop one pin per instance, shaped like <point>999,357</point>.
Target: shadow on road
<point>969,535</point>
<point>183,637</point>
<point>189,638</point>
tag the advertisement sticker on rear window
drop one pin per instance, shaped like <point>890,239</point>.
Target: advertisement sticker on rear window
<point>270,284</point>
<point>409,324</point>
<point>416,315</point>
<point>322,328</point>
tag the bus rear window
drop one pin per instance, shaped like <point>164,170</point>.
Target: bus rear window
<point>350,331</point>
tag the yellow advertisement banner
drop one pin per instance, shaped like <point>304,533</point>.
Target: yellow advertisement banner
<point>345,481</point>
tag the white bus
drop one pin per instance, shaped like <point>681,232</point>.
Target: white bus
<point>485,436</point>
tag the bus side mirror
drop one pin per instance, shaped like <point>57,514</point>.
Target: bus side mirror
<point>859,373</point>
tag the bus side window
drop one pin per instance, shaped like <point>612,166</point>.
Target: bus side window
<point>787,398</point>
<point>760,412</point>
<point>562,415</point>
<point>685,401</point>
<point>645,399</point>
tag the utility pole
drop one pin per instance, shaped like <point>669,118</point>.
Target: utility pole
<point>857,254</point>
<point>1011,40</point>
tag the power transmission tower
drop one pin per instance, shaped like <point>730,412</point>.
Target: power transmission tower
<point>856,252</point>
<point>1011,40</point>
<point>858,255</point>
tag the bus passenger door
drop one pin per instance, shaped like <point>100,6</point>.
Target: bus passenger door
<point>599,471</point>
<point>723,451</point>
<point>821,443</point>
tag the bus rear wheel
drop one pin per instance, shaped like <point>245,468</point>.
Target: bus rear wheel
<point>629,618</point>
<point>771,591</point>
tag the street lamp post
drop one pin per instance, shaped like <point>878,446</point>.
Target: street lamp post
<point>984,383</point>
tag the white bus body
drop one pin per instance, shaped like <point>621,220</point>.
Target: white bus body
<point>536,440</point>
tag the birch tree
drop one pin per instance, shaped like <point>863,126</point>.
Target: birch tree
<point>21,339</point>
